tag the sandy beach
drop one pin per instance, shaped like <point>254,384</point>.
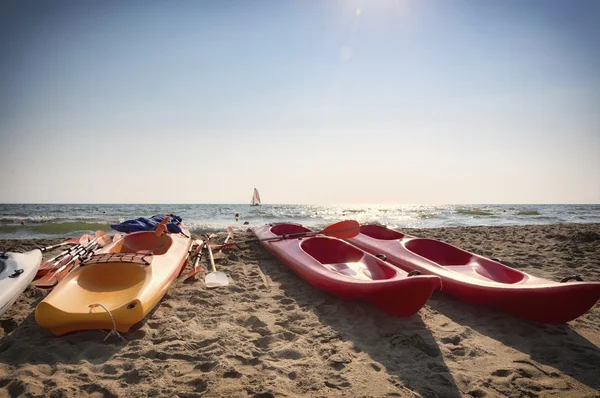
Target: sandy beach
<point>284,338</point>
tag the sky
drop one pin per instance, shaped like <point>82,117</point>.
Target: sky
<point>310,101</point>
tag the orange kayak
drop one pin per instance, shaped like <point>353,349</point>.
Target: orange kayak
<point>124,282</point>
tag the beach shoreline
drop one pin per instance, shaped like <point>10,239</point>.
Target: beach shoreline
<point>286,338</point>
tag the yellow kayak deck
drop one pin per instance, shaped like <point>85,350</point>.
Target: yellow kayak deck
<point>117,283</point>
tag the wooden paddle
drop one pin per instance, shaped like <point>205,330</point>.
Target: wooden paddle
<point>343,229</point>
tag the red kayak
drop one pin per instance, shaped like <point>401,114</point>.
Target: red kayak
<point>478,280</point>
<point>341,269</point>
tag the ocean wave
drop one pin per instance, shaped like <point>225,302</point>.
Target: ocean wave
<point>55,228</point>
<point>474,212</point>
<point>528,213</point>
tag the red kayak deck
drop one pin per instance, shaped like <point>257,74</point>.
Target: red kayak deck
<point>479,280</point>
<point>336,267</point>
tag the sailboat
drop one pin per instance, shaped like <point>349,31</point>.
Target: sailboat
<point>255,198</point>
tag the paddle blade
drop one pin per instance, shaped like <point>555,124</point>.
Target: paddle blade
<point>218,255</point>
<point>343,229</point>
<point>229,232</point>
<point>162,227</point>
<point>116,237</point>
<point>216,279</point>
<point>102,238</point>
<point>85,239</point>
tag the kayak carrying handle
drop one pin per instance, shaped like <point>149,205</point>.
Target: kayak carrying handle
<point>114,329</point>
<point>414,273</point>
<point>382,257</point>
<point>577,278</point>
<point>16,273</point>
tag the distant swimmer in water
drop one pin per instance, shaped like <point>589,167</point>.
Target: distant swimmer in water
<point>22,222</point>
<point>237,217</point>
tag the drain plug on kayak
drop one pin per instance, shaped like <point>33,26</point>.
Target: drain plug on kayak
<point>131,306</point>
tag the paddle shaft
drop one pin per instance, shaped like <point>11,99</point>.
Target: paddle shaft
<point>281,237</point>
<point>45,249</point>
<point>212,260</point>
<point>89,246</point>
<point>66,252</point>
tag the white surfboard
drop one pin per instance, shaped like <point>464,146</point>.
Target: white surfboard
<point>17,270</point>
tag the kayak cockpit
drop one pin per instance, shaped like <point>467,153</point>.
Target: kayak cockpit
<point>111,277</point>
<point>143,242</point>
<point>345,259</point>
<point>380,232</point>
<point>288,229</point>
<point>454,259</point>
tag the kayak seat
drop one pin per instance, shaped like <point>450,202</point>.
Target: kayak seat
<point>463,262</point>
<point>143,243</point>
<point>353,270</point>
<point>340,257</point>
<point>380,232</point>
<point>112,284</point>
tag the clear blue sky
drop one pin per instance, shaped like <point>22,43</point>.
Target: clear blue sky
<point>324,101</point>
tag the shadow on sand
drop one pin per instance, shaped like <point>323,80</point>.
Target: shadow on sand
<point>557,346</point>
<point>404,347</point>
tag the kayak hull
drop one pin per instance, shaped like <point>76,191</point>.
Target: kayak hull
<point>340,269</point>
<point>17,270</point>
<point>481,281</point>
<point>94,294</point>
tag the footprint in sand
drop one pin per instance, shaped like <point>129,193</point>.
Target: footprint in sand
<point>206,366</point>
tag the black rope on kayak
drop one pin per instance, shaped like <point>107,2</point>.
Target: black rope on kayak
<point>577,278</point>
<point>16,273</point>
<point>4,256</point>
<point>414,273</point>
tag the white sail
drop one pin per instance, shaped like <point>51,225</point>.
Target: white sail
<point>255,198</point>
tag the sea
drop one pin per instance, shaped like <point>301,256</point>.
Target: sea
<point>25,221</point>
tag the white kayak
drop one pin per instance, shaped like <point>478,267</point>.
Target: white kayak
<point>17,270</point>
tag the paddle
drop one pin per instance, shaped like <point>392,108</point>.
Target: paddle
<point>219,255</point>
<point>343,229</point>
<point>51,279</point>
<point>102,240</point>
<point>47,265</point>
<point>162,227</point>
<point>72,241</point>
<point>215,278</point>
<point>196,269</point>
<point>116,237</point>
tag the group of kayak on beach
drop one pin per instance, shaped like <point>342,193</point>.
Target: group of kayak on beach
<point>111,283</point>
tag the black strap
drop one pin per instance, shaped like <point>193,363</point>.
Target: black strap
<point>571,278</point>
<point>414,272</point>
<point>4,255</point>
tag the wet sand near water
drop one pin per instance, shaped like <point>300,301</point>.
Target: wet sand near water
<point>289,339</point>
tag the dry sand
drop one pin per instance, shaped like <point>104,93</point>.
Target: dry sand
<point>292,340</point>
